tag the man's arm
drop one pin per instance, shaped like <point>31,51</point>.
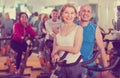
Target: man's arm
<point>48,28</point>
<point>100,44</point>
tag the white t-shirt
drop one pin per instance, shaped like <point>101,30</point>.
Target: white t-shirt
<point>49,24</point>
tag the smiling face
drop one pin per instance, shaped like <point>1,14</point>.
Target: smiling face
<point>23,18</point>
<point>68,13</point>
<point>6,16</point>
<point>54,15</point>
<point>85,13</point>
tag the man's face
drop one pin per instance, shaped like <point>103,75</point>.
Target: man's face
<point>54,15</point>
<point>6,16</point>
<point>85,13</point>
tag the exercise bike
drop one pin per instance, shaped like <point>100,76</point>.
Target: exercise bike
<point>114,56</point>
<point>85,64</point>
<point>10,62</point>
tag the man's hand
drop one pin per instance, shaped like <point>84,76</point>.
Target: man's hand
<point>52,35</point>
<point>55,30</point>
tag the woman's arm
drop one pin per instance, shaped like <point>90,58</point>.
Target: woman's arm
<point>32,31</point>
<point>55,56</point>
<point>54,46</point>
<point>77,43</point>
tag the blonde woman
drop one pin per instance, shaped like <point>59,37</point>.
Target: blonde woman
<point>69,39</point>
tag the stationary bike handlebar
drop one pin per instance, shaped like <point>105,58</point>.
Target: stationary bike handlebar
<point>9,37</point>
<point>86,63</point>
<point>5,38</point>
<point>96,67</point>
<point>65,64</point>
<point>107,40</point>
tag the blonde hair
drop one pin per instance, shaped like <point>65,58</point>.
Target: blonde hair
<point>43,16</point>
<point>64,7</point>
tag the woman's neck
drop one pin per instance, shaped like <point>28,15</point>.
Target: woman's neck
<point>24,24</point>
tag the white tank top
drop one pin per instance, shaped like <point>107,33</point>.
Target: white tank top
<point>68,41</point>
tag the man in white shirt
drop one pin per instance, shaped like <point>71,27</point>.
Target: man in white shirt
<point>52,27</point>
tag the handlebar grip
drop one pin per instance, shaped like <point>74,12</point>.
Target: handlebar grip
<point>97,68</point>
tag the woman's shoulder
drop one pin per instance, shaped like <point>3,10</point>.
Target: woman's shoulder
<point>79,27</point>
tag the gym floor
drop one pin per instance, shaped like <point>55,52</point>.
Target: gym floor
<point>32,63</point>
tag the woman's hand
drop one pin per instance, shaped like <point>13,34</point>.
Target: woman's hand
<point>36,37</point>
<point>55,58</point>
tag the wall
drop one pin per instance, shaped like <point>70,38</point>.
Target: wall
<point>106,13</point>
<point>105,7</point>
<point>37,4</point>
